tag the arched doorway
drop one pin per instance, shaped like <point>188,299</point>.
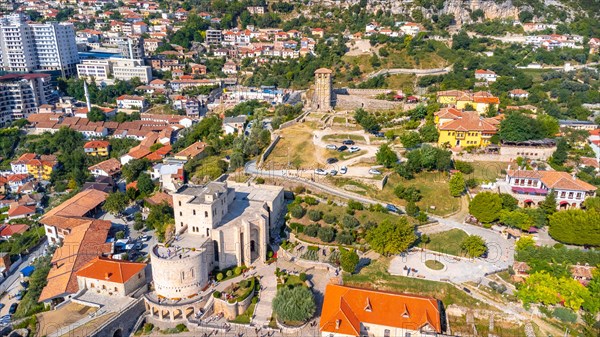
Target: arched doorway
<point>527,203</point>
<point>118,333</point>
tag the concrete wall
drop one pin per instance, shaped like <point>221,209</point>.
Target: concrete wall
<point>267,152</point>
<point>179,278</point>
<point>232,310</point>
<point>540,153</point>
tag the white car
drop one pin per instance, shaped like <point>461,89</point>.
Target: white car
<point>354,149</point>
<point>333,172</point>
<point>375,172</point>
<point>343,170</point>
<point>331,147</point>
<point>321,172</point>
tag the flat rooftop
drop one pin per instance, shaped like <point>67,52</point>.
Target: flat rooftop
<point>181,247</point>
<point>256,193</point>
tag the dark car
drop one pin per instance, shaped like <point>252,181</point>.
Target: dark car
<point>348,142</point>
<point>13,308</point>
<point>342,148</point>
<point>392,208</point>
<point>331,160</point>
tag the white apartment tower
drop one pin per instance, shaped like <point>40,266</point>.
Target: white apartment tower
<point>22,94</point>
<point>26,47</point>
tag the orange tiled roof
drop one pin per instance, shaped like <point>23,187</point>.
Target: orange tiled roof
<point>109,166</point>
<point>110,270</point>
<point>160,197</point>
<point>94,144</point>
<point>18,210</point>
<point>79,205</point>
<point>85,243</point>
<point>554,179</point>
<point>9,230</point>
<point>449,113</point>
<point>470,121</point>
<point>344,308</point>
<point>192,150</point>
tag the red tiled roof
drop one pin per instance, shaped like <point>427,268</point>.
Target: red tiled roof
<point>110,270</point>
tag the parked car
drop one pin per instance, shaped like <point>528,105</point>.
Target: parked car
<point>145,237</point>
<point>2,305</point>
<point>375,172</point>
<point>348,142</point>
<point>343,170</point>
<point>393,208</point>
<point>354,149</point>
<point>321,172</point>
<point>331,147</point>
<point>333,172</point>
<point>342,148</point>
<point>13,308</point>
<point>331,160</point>
<point>20,295</point>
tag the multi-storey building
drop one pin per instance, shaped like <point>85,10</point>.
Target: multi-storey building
<point>26,47</point>
<point>464,128</point>
<point>120,69</point>
<point>132,48</point>
<point>22,94</point>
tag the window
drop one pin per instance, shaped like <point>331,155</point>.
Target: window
<point>386,333</point>
<point>194,212</point>
<point>180,213</point>
<point>207,232</point>
<point>180,203</point>
<point>562,194</point>
<point>578,195</point>
<point>206,214</point>
<point>570,195</point>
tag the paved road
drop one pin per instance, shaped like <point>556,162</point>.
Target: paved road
<point>12,285</point>
<point>414,71</point>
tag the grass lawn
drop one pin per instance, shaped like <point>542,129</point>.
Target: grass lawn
<point>341,137</point>
<point>401,59</point>
<point>487,170</point>
<point>447,242</point>
<point>295,148</point>
<point>404,82</point>
<point>435,265</point>
<point>340,120</point>
<point>433,187</point>
<point>362,61</point>
<point>376,276</point>
<point>246,316</point>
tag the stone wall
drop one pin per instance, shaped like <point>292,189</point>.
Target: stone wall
<point>123,322</point>
<point>232,310</point>
<point>179,278</point>
<point>268,151</point>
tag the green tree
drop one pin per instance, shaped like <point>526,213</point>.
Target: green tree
<point>464,167</point>
<point>389,238</point>
<point>295,304</point>
<point>559,156</point>
<point>115,203</point>
<point>486,206</point>
<point>474,246</point>
<point>429,134</point>
<point>575,226</point>
<point>592,203</point>
<point>509,202</point>
<point>410,193</point>
<point>519,127</point>
<point>516,219</point>
<point>457,184</point>
<point>412,209</point>
<point>326,234</point>
<point>96,115</point>
<point>145,184</point>
<point>132,169</point>
<point>386,156</point>
<point>548,205</point>
<point>410,139</point>
<point>348,260</point>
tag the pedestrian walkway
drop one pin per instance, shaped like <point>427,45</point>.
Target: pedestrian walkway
<point>268,283</point>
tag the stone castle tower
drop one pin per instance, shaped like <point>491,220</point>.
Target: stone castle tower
<point>322,99</point>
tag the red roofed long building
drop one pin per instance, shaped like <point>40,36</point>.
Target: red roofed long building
<point>357,312</point>
<point>530,187</point>
<point>464,128</point>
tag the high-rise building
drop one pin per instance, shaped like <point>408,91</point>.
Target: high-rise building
<point>22,94</point>
<point>26,47</point>
<point>132,48</point>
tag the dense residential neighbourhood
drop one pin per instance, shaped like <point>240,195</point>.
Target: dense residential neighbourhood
<point>300,168</point>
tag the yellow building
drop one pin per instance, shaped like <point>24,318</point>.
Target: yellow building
<point>465,130</point>
<point>448,96</point>
<point>479,101</point>
<point>41,169</point>
<point>97,148</point>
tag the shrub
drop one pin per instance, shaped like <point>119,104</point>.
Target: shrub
<point>217,294</point>
<point>181,327</point>
<point>238,270</point>
<point>412,209</point>
<point>311,201</point>
<point>260,180</point>
<point>345,238</point>
<point>329,218</point>
<point>297,211</point>
<point>302,277</point>
<point>311,230</point>
<point>314,215</point>
<point>565,315</point>
<point>270,254</point>
<point>148,327</point>
<point>229,273</point>
<point>295,304</point>
<point>355,205</point>
<point>219,276</point>
<point>378,208</point>
<point>296,227</point>
<point>326,234</point>
<point>120,235</point>
<point>464,167</point>
<point>350,221</point>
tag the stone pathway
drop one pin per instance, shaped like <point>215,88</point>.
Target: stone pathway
<point>268,283</point>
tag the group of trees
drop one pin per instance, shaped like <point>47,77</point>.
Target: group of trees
<point>366,120</point>
<point>390,238</point>
<point>294,304</point>
<point>426,158</point>
<point>520,127</point>
<point>108,94</point>
<point>576,227</point>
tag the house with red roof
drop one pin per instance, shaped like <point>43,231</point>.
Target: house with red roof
<point>110,277</point>
<point>349,311</point>
<point>8,230</point>
<point>97,148</point>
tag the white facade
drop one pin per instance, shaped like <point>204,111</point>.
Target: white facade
<point>120,69</point>
<point>26,47</point>
<point>21,95</point>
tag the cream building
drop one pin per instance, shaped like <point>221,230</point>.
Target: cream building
<point>217,225</point>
